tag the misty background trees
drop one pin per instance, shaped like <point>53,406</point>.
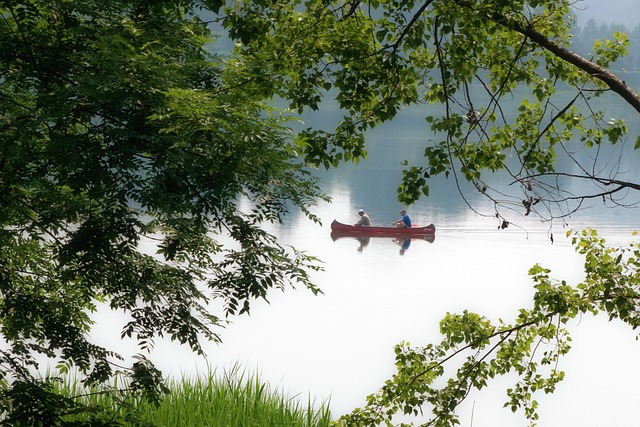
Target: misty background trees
<point>584,36</point>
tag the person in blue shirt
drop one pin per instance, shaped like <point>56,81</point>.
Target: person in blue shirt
<point>404,221</point>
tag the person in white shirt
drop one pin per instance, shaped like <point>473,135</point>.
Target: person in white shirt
<point>364,221</point>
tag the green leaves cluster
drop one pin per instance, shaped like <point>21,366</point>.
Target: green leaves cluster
<point>476,351</point>
<point>327,50</point>
<point>129,154</point>
<point>136,170</point>
<point>512,92</point>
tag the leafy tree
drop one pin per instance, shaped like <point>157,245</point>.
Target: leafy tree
<point>121,133</point>
<point>513,94</point>
<point>583,40</point>
<point>515,99</point>
<point>531,347</point>
<point>136,170</point>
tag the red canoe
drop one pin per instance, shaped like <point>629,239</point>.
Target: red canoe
<point>381,231</point>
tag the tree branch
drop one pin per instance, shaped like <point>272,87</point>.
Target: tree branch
<point>603,181</point>
<point>414,19</point>
<point>611,80</point>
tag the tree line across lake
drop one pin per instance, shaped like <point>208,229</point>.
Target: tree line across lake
<point>584,37</point>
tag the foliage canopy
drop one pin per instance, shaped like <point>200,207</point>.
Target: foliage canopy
<point>514,98</point>
<point>128,157</point>
<point>513,94</point>
<point>129,152</point>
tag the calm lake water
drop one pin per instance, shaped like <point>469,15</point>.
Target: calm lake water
<point>339,345</point>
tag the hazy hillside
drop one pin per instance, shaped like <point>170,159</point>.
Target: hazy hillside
<point>625,12</point>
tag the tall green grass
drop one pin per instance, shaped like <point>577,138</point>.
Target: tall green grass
<point>232,399</point>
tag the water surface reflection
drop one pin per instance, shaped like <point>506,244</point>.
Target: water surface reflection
<point>340,344</point>
<point>378,292</point>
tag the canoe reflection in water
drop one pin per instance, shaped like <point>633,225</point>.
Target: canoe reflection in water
<point>404,242</point>
<point>364,241</point>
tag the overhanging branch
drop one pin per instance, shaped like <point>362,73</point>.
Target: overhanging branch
<point>611,80</point>
<point>602,181</point>
<point>614,82</point>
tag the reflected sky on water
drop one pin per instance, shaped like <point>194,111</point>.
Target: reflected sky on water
<point>339,345</point>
